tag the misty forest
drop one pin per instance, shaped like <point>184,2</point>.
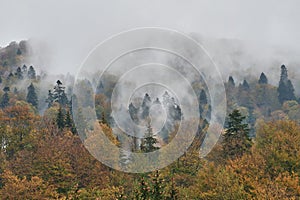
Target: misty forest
<point>43,156</point>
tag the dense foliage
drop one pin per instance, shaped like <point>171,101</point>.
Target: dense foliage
<point>42,156</point>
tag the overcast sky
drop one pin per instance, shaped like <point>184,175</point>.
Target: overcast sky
<point>73,27</point>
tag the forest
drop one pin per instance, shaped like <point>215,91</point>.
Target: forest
<point>43,156</point>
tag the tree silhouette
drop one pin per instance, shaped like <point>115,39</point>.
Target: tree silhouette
<point>236,138</point>
<point>263,79</point>
<point>32,96</point>
<point>285,88</point>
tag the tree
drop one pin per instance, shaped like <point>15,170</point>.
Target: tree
<point>60,119</point>
<point>31,73</point>
<point>50,99</point>
<point>236,138</point>
<point>19,73</point>
<point>24,69</point>
<point>231,81</point>
<point>263,79</point>
<point>203,97</point>
<point>146,106</point>
<point>19,52</point>
<point>32,96</point>
<point>285,88</point>
<point>59,94</point>
<point>69,122</point>
<point>149,142</point>
<point>245,85</point>
<point>5,98</point>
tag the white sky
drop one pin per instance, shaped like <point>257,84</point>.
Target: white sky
<point>73,27</point>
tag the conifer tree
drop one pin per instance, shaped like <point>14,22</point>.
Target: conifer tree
<point>285,88</point>
<point>146,106</point>
<point>203,97</point>
<point>31,73</point>
<point>59,94</point>
<point>32,96</point>
<point>245,85</point>
<point>50,99</point>
<point>236,138</point>
<point>263,79</point>
<point>149,142</point>
<point>19,73</point>
<point>60,119</point>
<point>5,98</point>
<point>231,81</point>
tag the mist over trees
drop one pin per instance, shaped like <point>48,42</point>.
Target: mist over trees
<point>43,157</point>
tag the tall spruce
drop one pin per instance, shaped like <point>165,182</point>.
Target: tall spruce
<point>285,88</point>
<point>59,94</point>
<point>149,142</point>
<point>32,96</point>
<point>60,118</point>
<point>5,98</point>
<point>236,139</point>
<point>50,99</point>
<point>31,73</point>
<point>231,81</point>
<point>263,79</point>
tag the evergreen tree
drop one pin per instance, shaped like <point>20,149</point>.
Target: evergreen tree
<point>133,112</point>
<point>236,138</point>
<point>263,79</point>
<point>59,94</point>
<point>24,69</point>
<point>245,85</point>
<point>231,81</point>
<point>60,119</point>
<point>19,52</point>
<point>32,96</point>
<point>149,142</point>
<point>5,98</point>
<point>19,73</point>
<point>203,97</point>
<point>285,88</point>
<point>50,99</point>
<point>31,73</point>
<point>69,122</point>
<point>146,106</point>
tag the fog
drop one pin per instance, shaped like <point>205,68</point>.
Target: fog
<point>65,31</point>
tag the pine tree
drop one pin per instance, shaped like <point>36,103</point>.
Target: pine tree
<point>231,81</point>
<point>60,119</point>
<point>59,94</point>
<point>236,138</point>
<point>32,96</point>
<point>285,88</point>
<point>50,99</point>
<point>245,85</point>
<point>31,73</point>
<point>19,52</point>
<point>133,112</point>
<point>19,73</point>
<point>203,97</point>
<point>24,69</point>
<point>149,142</point>
<point>69,122</point>
<point>5,98</point>
<point>263,79</point>
<point>146,106</point>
